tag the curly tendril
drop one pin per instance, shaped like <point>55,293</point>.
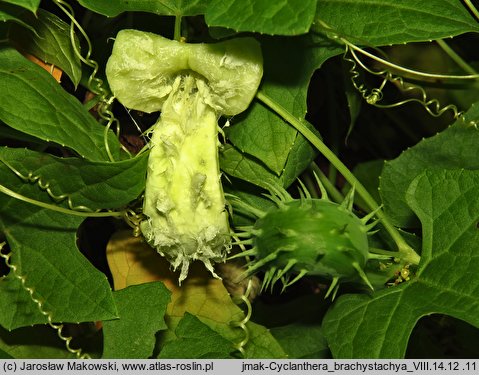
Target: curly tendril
<point>57,198</point>
<point>40,305</point>
<point>45,186</point>
<point>375,95</point>
<point>94,84</point>
<point>240,346</point>
<point>244,300</point>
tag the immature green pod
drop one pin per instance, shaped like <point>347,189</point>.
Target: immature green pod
<point>307,236</point>
<point>192,85</point>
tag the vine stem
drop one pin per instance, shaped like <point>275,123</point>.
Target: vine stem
<point>177,32</point>
<point>407,252</point>
<point>407,70</point>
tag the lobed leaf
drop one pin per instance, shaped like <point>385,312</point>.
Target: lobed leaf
<point>379,326</point>
<point>141,310</point>
<point>382,22</point>
<point>453,148</point>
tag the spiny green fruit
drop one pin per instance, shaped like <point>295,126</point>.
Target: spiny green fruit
<point>192,85</point>
<point>307,236</point>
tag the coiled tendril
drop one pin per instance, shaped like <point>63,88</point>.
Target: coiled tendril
<point>244,300</point>
<point>40,305</point>
<point>374,96</point>
<point>95,84</point>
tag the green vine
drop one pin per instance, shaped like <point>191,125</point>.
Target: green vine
<point>95,84</point>
<point>408,254</point>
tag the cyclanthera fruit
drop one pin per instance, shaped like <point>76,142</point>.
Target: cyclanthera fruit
<point>307,236</point>
<point>192,85</point>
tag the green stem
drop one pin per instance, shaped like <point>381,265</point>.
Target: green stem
<point>407,253</point>
<point>407,71</point>
<point>52,207</point>
<point>375,250</point>
<point>455,57</point>
<point>177,34</point>
<point>472,8</point>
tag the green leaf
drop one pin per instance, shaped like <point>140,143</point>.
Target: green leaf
<point>302,340</point>
<point>163,7</point>
<point>132,261</point>
<point>261,133</point>
<point>196,340</point>
<point>243,166</point>
<point>50,42</point>
<point>141,309</point>
<point>47,111</point>
<point>211,303</point>
<point>96,185</point>
<point>43,242</point>
<point>379,326</point>
<point>381,22</point>
<point>453,148</point>
<point>31,5</point>
<point>292,17</point>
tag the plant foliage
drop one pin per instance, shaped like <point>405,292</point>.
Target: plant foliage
<point>381,101</point>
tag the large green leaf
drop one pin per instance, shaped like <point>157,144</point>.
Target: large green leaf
<point>43,242</point>
<point>196,340</point>
<point>455,147</point>
<point>292,17</point>
<point>32,101</point>
<point>264,135</point>
<point>381,22</point>
<point>379,326</point>
<point>164,7</point>
<point>51,42</point>
<point>141,309</point>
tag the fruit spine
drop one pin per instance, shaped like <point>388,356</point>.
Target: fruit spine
<point>307,236</point>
